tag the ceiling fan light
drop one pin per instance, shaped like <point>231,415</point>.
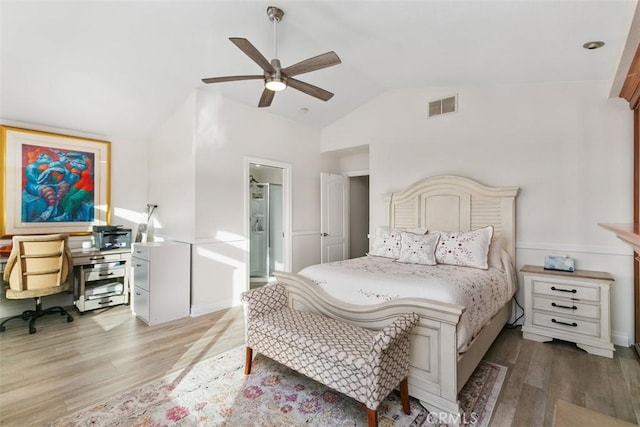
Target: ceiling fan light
<point>275,85</point>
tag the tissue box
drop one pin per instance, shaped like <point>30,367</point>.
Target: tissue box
<point>561,263</point>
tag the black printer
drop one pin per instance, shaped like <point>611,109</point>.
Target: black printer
<point>111,237</point>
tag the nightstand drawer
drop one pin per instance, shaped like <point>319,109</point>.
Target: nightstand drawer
<point>566,323</point>
<point>566,290</point>
<point>566,307</point>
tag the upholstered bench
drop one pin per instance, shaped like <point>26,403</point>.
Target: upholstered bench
<point>360,363</point>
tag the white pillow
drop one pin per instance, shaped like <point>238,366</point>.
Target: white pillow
<point>387,242</point>
<point>495,252</point>
<point>467,249</point>
<point>418,248</point>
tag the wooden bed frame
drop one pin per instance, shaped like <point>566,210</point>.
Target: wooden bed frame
<point>446,203</point>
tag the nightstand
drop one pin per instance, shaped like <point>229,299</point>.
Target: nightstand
<point>568,306</point>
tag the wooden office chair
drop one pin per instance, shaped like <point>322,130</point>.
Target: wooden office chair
<point>38,266</point>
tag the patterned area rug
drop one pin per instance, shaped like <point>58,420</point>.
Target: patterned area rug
<point>216,392</point>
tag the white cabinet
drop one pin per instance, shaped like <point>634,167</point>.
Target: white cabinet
<point>161,281</point>
<point>569,306</point>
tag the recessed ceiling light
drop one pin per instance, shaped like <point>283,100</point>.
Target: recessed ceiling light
<point>593,45</point>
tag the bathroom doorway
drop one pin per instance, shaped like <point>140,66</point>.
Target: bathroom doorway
<point>268,225</point>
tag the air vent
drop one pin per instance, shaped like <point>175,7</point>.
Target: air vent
<point>442,106</point>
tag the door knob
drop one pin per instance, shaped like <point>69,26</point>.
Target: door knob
<point>324,234</point>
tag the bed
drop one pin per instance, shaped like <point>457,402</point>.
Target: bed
<point>446,346</point>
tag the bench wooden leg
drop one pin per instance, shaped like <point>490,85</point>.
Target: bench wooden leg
<point>247,360</point>
<point>372,417</point>
<point>404,395</point>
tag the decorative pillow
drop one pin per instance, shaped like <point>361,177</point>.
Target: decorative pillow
<point>495,252</point>
<point>418,248</point>
<point>467,249</point>
<point>388,240</point>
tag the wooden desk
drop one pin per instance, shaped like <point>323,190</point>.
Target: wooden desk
<point>630,234</point>
<point>81,256</point>
<point>94,270</point>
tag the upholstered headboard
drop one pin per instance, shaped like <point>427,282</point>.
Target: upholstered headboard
<point>453,203</point>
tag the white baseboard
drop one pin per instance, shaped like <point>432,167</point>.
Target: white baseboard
<point>201,309</point>
<point>620,339</point>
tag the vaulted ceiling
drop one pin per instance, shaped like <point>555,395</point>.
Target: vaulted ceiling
<point>119,68</point>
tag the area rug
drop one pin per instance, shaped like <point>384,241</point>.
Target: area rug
<point>215,392</point>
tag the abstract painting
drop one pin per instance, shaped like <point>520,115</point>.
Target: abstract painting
<point>53,183</point>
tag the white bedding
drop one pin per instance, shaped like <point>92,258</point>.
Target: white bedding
<point>372,280</point>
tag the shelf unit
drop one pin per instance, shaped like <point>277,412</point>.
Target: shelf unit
<point>259,254</point>
<point>101,279</point>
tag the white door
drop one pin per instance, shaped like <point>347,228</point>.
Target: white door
<point>333,218</point>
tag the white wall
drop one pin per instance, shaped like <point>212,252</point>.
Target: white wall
<point>566,146</point>
<point>226,133</point>
<point>353,162</point>
<point>172,174</point>
<point>128,192</point>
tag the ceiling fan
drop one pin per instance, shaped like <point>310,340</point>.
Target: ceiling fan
<point>275,77</point>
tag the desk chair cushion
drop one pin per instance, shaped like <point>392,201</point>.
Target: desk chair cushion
<point>38,266</point>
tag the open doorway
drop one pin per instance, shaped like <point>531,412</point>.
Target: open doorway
<point>268,223</point>
<point>344,216</point>
<point>358,216</point>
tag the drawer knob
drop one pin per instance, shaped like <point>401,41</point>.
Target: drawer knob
<point>106,274</point>
<point>573,291</point>
<point>573,307</point>
<point>574,324</point>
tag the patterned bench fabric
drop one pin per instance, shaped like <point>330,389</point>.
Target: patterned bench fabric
<point>389,358</point>
<point>358,362</point>
<point>337,342</point>
<point>264,300</point>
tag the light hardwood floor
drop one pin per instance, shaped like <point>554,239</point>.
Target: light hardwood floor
<point>541,373</point>
<point>65,367</point>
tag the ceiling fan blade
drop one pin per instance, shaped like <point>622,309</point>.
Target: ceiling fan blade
<point>319,62</point>
<point>253,53</point>
<point>310,89</point>
<point>231,78</point>
<point>266,98</point>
